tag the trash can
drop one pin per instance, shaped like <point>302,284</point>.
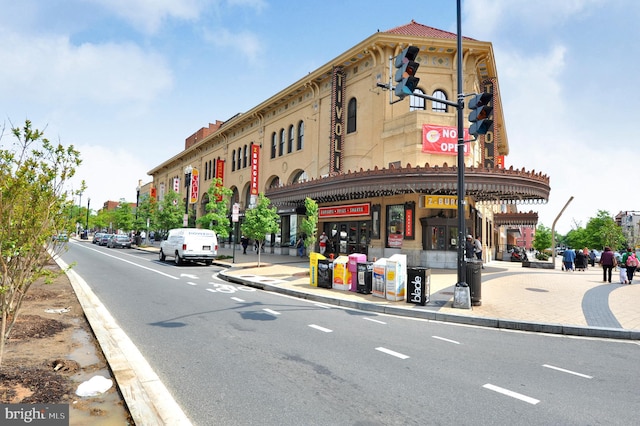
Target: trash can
<point>85,235</point>
<point>325,273</point>
<point>364,277</point>
<point>418,285</point>
<point>474,280</point>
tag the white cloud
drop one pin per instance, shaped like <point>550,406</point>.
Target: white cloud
<point>248,44</point>
<point>148,15</point>
<point>46,69</point>
<point>110,173</point>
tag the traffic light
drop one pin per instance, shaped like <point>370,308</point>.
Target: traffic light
<point>406,68</point>
<point>480,114</point>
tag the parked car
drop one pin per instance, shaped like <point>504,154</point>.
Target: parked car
<point>119,241</point>
<point>190,244</point>
<point>104,239</point>
<point>62,237</point>
<point>97,237</point>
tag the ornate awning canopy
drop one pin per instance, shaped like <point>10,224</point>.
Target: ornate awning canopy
<point>521,219</point>
<point>492,186</point>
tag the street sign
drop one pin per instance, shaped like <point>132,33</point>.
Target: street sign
<point>235,213</point>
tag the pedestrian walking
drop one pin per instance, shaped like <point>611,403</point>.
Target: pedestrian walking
<point>568,258</point>
<point>245,243</point>
<point>468,248</point>
<point>300,245</point>
<point>622,268</point>
<point>608,262</point>
<point>477,249</point>
<point>630,261</point>
<point>322,241</point>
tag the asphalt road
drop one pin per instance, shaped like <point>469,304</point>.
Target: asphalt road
<point>234,355</point>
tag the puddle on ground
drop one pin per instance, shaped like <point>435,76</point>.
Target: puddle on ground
<point>107,409</point>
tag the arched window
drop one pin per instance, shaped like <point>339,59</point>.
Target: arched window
<point>275,183</point>
<point>239,160</point>
<point>233,160</point>
<point>273,145</point>
<point>416,102</point>
<point>290,140</point>
<point>245,156</point>
<point>281,144</point>
<point>352,110</point>
<point>300,135</point>
<point>439,106</point>
<point>300,177</point>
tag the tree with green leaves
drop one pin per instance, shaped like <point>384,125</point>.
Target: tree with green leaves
<point>260,221</point>
<point>602,231</point>
<point>542,241</point>
<point>123,216</point>
<point>170,213</point>
<point>33,202</point>
<point>217,216</point>
<point>145,213</point>
<point>309,225</point>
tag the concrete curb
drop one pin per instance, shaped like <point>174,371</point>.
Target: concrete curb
<point>507,324</point>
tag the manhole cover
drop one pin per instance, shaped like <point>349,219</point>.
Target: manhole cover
<point>448,293</point>
<point>437,302</point>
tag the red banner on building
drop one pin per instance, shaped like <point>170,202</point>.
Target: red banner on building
<point>442,139</point>
<point>255,168</point>
<point>220,175</point>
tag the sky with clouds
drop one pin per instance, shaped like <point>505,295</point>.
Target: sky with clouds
<point>126,81</point>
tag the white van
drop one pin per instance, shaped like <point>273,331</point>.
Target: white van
<point>190,244</point>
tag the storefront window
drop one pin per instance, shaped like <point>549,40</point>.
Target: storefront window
<point>395,225</point>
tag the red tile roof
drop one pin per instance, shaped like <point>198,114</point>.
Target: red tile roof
<point>415,29</point>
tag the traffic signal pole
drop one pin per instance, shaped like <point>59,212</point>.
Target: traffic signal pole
<point>407,56</point>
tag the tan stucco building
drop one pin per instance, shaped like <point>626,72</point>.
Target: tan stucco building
<point>383,172</point>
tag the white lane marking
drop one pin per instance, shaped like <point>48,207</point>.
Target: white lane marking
<point>131,263</point>
<point>393,353</point>
<point>320,305</point>
<point>237,299</point>
<point>193,277</point>
<point>271,311</point>
<point>512,394</point>
<point>567,371</point>
<point>445,340</point>
<point>191,283</point>
<point>317,327</point>
<point>374,320</point>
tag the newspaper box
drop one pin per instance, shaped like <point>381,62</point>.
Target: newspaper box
<point>354,259</point>
<point>379,273</point>
<point>418,285</point>
<point>341,274</point>
<point>396,276</point>
<point>313,268</point>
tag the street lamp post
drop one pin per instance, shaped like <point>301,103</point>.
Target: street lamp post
<point>187,173</point>
<point>137,200</point>
<point>88,203</point>
<point>78,223</point>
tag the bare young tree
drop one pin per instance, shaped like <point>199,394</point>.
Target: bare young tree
<point>34,212</point>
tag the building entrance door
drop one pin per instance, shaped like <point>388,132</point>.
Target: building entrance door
<point>348,237</point>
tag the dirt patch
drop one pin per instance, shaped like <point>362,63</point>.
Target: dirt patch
<point>38,364</point>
